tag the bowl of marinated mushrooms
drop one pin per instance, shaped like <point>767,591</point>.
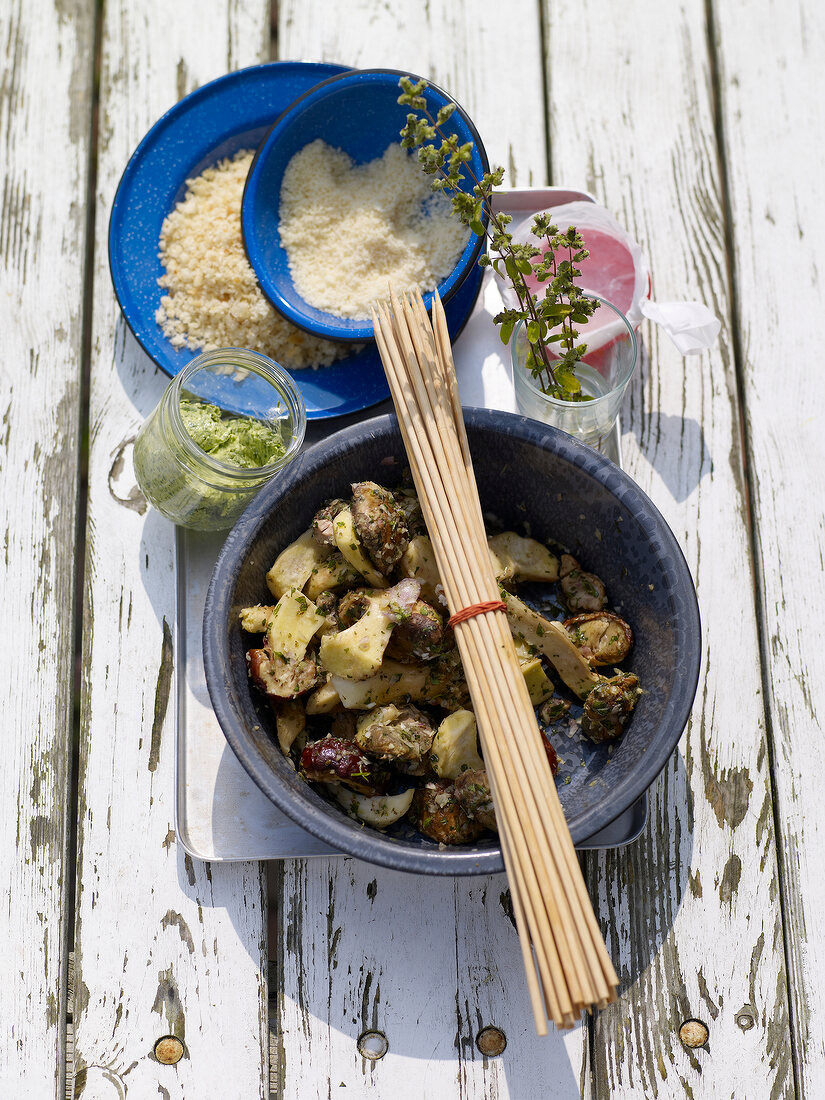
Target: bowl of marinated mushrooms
<point>334,673</point>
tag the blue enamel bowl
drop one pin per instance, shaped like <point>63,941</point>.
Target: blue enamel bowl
<point>528,474</point>
<point>357,112</point>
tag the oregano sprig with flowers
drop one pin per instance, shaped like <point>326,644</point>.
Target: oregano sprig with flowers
<point>549,319</point>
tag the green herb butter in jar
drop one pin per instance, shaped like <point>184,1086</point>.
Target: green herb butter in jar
<point>225,425</point>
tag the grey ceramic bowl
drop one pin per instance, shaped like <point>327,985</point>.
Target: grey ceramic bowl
<point>535,479</point>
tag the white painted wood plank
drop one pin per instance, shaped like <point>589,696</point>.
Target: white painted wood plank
<point>443,954</point>
<point>427,962</point>
<point>163,944</point>
<point>44,137</point>
<point>773,117</point>
<point>692,910</point>
<point>361,949</point>
<point>455,44</point>
<point>492,993</point>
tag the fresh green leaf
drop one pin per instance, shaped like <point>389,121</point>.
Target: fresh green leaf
<point>549,316</point>
<point>506,331</point>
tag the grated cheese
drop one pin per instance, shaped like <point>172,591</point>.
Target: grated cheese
<point>213,299</point>
<point>350,230</point>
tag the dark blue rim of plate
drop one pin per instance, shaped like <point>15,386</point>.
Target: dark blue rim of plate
<point>372,846</point>
<point>355,332</point>
<point>215,121</point>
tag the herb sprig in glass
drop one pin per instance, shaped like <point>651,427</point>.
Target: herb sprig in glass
<point>549,319</point>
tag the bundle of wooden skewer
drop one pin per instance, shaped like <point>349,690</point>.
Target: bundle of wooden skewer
<point>565,958</point>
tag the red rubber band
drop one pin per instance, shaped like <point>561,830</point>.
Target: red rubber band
<point>477,609</point>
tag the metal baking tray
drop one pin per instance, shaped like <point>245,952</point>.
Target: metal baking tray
<point>220,814</point>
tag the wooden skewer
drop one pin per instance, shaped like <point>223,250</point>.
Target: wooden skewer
<point>596,959</point>
<point>562,916</point>
<point>550,900</point>
<point>586,968</point>
<point>576,998</point>
<point>434,506</point>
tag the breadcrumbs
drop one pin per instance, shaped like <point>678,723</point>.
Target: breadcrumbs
<point>374,224</point>
<point>213,299</point>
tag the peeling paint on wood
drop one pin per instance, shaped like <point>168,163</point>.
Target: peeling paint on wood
<point>773,101</point>
<point>42,244</point>
<point>685,907</point>
<point>427,967</point>
<point>162,690</point>
<point>728,795</point>
<point>175,920</point>
<point>161,940</point>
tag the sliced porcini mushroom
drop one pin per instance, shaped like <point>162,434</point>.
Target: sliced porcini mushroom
<point>407,500</point>
<point>323,700</point>
<point>516,558</point>
<point>356,652</point>
<point>472,789</point>
<point>322,523</point>
<point>421,635</point>
<point>352,606</point>
<point>553,710</point>
<point>395,733</point>
<point>353,551</point>
<point>438,814</point>
<point>327,576</point>
<point>392,682</point>
<point>380,810</point>
<point>609,705</point>
<point>551,639</point>
<point>380,523</point>
<point>278,678</point>
<point>582,591</point>
<point>601,637</point>
<point>334,760</point>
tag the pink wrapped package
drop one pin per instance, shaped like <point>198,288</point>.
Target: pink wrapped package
<point>616,270</point>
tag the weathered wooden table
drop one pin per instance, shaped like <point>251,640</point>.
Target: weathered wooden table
<point>700,124</point>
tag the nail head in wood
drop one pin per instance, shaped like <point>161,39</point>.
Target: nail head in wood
<point>745,1020</point>
<point>693,1033</point>
<point>169,1050</point>
<point>491,1041</point>
<point>373,1045</point>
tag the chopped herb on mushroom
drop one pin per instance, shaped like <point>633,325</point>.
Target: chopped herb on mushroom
<point>380,524</point>
<point>601,637</point>
<point>582,591</point>
<point>361,671</point>
<point>609,705</point>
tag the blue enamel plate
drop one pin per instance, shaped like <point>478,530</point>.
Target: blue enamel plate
<point>231,113</point>
<point>357,113</point>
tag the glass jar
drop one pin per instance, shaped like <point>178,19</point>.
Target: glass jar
<point>604,373</point>
<point>248,406</point>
